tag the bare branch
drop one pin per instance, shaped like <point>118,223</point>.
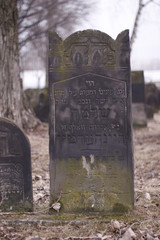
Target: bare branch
<point>37,17</point>
<point>25,12</point>
<point>58,12</point>
<point>137,18</point>
<point>134,32</point>
<point>158,4</point>
<point>145,4</point>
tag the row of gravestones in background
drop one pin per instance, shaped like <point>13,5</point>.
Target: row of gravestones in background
<point>147,94</point>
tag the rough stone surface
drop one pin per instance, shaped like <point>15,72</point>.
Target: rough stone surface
<point>139,116</point>
<point>91,159</point>
<point>15,168</point>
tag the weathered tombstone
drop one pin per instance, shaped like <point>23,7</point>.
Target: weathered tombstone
<point>15,168</point>
<point>91,159</point>
<point>139,117</point>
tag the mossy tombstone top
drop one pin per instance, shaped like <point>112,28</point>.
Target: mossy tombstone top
<point>87,50</point>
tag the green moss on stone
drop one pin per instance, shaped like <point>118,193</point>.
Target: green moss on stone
<point>16,207</point>
<point>137,77</point>
<point>120,208</point>
<point>95,190</point>
<point>137,126</point>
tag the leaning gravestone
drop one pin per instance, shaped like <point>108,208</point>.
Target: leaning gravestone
<point>91,159</point>
<point>15,168</point>
<point>139,117</point>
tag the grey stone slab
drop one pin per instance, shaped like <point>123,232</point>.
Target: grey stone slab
<point>139,116</point>
<point>138,87</point>
<point>90,128</point>
<point>15,168</point>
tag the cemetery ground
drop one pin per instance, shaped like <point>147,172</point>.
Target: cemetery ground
<point>142,223</point>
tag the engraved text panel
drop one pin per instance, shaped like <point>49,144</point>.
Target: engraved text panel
<point>90,116</point>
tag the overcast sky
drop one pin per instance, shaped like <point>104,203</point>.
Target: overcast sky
<point>114,16</point>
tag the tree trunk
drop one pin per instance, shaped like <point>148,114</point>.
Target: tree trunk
<point>10,85</point>
<point>11,94</point>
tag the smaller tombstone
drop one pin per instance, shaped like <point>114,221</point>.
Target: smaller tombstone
<point>15,168</point>
<point>139,117</point>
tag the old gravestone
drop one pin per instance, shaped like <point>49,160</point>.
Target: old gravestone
<point>91,159</point>
<point>138,99</point>
<point>15,168</point>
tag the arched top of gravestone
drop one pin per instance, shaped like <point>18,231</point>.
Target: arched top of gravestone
<point>18,143</point>
<point>88,49</point>
<point>15,168</point>
<point>95,36</point>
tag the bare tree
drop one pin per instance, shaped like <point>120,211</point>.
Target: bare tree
<point>142,4</point>
<point>10,86</point>
<point>22,21</point>
<point>37,17</point>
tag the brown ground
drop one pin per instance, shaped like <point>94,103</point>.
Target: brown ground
<point>144,220</point>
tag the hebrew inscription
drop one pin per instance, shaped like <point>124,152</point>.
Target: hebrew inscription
<point>12,180</point>
<point>90,113</point>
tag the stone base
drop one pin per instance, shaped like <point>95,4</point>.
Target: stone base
<point>101,186</point>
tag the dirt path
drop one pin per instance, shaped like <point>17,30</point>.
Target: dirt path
<point>144,220</point>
